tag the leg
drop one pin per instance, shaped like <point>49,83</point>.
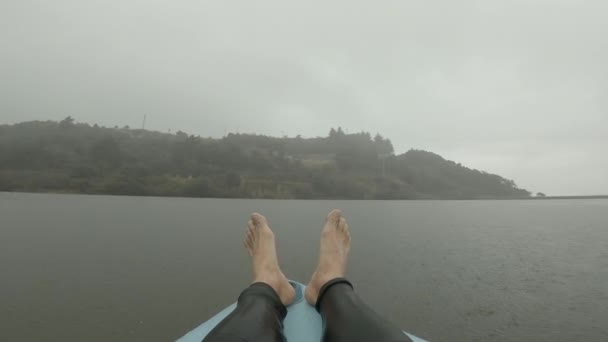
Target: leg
<point>258,316</point>
<point>345,316</point>
<point>261,307</point>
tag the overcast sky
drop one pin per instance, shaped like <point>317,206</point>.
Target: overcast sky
<point>514,87</point>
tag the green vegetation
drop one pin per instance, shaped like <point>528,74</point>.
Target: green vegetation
<point>78,158</point>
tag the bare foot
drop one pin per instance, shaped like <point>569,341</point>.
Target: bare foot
<point>265,265</point>
<point>335,245</point>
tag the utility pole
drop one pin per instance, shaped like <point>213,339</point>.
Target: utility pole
<point>143,124</point>
<point>383,157</point>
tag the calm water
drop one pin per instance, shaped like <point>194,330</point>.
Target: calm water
<point>96,268</point>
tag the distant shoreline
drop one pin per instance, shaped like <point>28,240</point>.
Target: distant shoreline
<point>65,156</point>
<point>316,199</point>
<point>571,197</point>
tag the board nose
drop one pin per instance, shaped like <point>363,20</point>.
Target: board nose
<point>299,288</point>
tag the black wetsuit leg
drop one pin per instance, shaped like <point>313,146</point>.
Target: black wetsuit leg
<point>346,318</point>
<point>258,317</point>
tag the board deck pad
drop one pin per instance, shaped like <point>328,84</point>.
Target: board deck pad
<point>302,323</point>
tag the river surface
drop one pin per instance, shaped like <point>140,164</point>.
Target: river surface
<point>103,268</point>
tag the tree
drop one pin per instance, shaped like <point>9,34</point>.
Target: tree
<point>198,187</point>
<point>383,146</point>
<point>232,180</point>
<point>378,139</point>
<point>181,135</point>
<point>67,122</point>
<point>332,133</point>
<point>106,150</point>
<point>540,194</point>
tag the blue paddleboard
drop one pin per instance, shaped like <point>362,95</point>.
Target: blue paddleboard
<point>302,323</point>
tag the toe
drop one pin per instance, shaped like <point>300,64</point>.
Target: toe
<point>258,219</point>
<point>247,244</point>
<point>249,235</point>
<point>342,226</point>
<point>334,216</point>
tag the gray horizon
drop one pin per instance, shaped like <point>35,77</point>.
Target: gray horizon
<point>517,88</point>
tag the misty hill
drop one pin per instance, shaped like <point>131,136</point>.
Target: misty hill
<point>78,158</point>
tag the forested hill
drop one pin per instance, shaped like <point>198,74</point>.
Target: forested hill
<point>79,158</point>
